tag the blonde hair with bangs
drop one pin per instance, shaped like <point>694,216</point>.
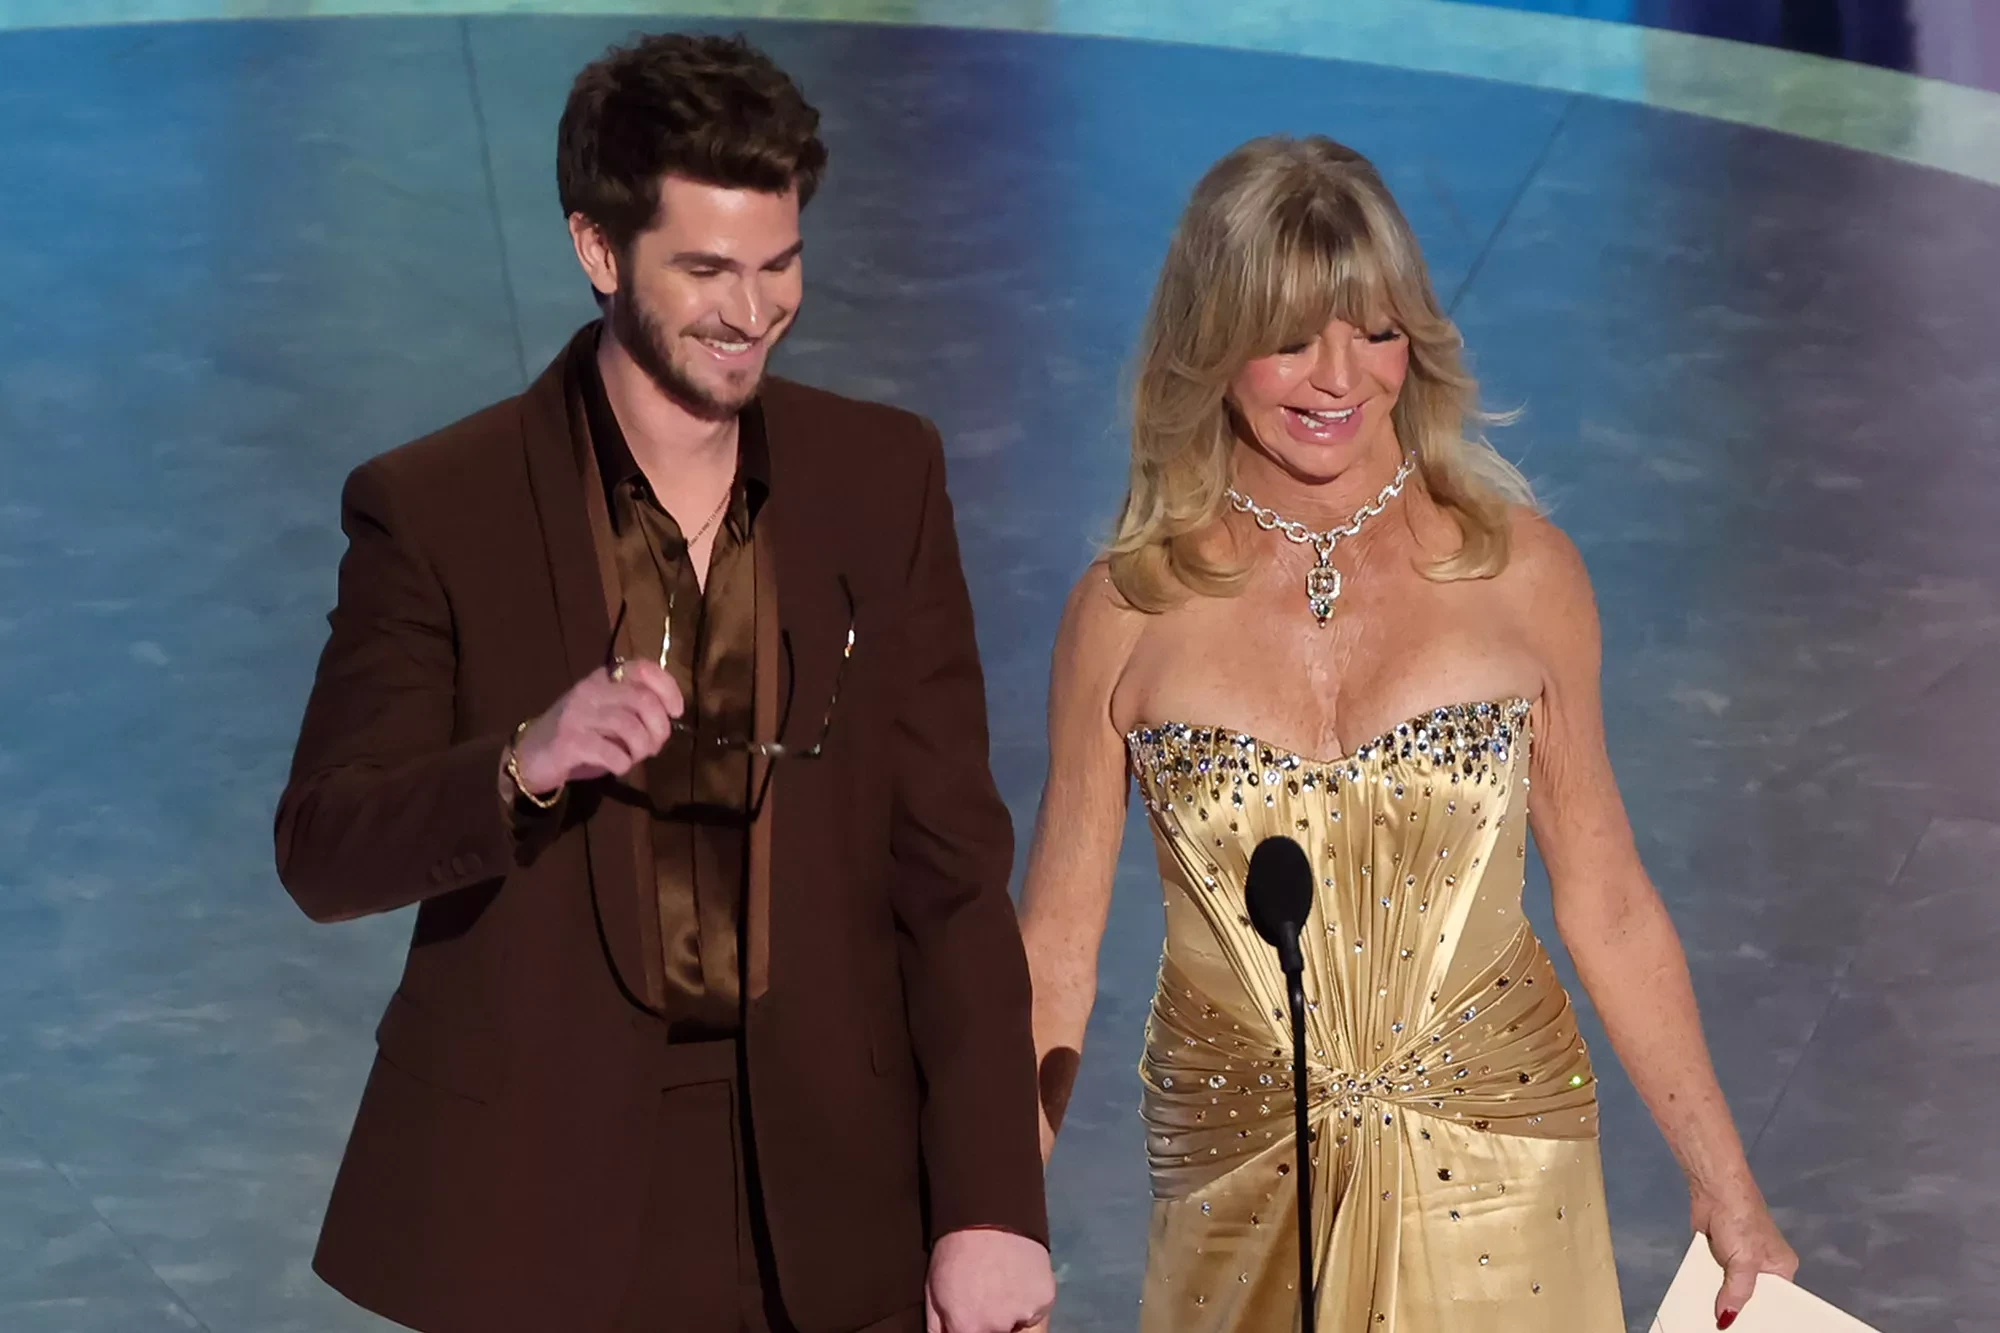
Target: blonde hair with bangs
<point>1281,237</point>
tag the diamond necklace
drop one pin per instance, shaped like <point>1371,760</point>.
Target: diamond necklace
<point>1322,580</point>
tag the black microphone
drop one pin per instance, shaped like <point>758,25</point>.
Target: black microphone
<point>1278,892</point>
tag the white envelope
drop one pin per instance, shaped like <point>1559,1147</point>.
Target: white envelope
<point>1778,1306</point>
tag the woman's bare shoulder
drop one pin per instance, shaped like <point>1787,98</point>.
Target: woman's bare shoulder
<point>1541,557</point>
<point>1099,628</point>
<point>1547,584</point>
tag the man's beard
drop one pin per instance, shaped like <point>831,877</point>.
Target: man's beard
<point>645,340</point>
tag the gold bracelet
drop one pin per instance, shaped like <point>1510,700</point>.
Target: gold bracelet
<point>514,774</point>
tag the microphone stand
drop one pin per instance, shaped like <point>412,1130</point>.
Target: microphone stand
<point>1278,890</point>
<point>1295,981</point>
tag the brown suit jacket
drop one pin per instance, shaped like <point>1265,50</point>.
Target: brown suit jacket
<point>494,1177</point>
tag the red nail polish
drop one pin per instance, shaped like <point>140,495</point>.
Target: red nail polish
<point>1728,1318</point>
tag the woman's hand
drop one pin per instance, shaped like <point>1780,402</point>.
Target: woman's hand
<point>1745,1241</point>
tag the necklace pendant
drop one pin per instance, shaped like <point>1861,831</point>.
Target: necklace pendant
<point>1322,589</point>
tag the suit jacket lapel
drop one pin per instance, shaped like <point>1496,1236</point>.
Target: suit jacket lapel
<point>555,474</point>
<point>756,943</point>
<point>570,502</point>
<point>793,582</point>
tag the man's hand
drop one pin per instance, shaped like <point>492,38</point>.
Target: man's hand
<point>608,723</point>
<point>988,1282</point>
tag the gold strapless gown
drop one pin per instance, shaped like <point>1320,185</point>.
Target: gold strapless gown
<point>1456,1179</point>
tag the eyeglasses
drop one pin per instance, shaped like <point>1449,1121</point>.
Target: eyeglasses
<point>770,751</point>
<point>773,750</point>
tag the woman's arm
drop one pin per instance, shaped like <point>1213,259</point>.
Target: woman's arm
<point>1609,914</point>
<point>1067,895</point>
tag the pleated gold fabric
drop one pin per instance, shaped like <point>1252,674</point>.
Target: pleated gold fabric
<point>1456,1177</point>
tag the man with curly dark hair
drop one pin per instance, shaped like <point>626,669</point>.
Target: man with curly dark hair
<point>655,690</point>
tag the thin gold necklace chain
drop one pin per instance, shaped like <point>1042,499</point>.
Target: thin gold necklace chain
<point>720,505</point>
<point>667,631</point>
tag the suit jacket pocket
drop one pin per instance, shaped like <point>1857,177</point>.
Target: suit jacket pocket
<point>466,1061</point>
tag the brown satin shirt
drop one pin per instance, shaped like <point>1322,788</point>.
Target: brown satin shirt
<point>697,792</point>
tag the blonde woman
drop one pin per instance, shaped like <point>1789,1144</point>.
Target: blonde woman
<point>1332,612</point>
